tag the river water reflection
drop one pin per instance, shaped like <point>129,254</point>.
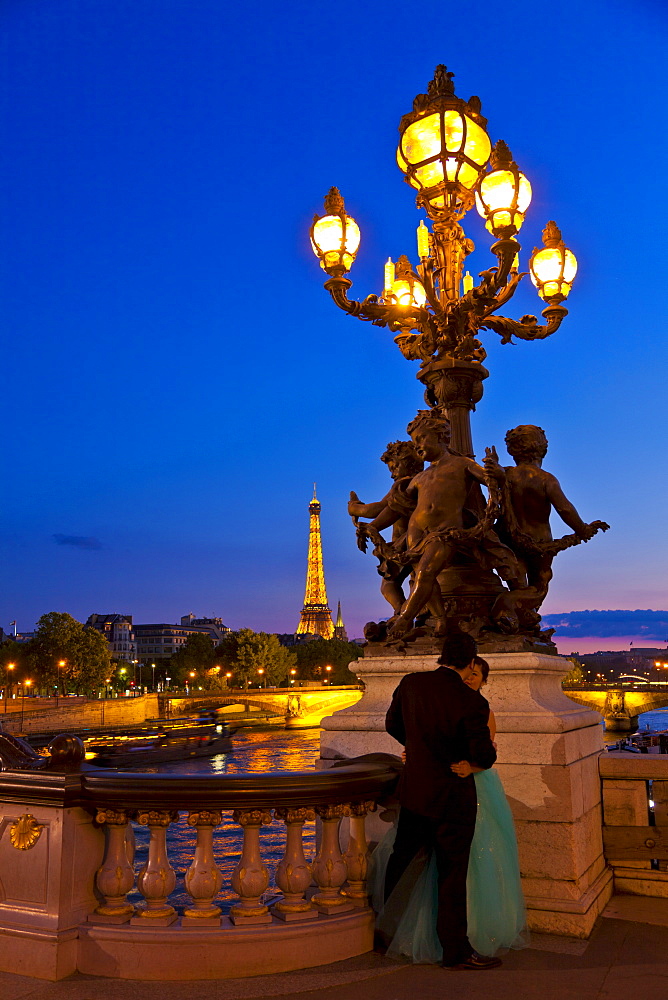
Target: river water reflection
<point>257,750</point>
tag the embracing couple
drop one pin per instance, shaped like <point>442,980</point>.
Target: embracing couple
<point>446,878</point>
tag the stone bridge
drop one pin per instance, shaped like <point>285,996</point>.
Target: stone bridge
<point>619,704</point>
<point>300,708</point>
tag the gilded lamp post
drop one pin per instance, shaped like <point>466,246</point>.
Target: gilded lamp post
<point>435,311</point>
<point>480,565</point>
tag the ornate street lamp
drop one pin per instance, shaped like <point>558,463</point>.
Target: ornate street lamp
<point>445,153</point>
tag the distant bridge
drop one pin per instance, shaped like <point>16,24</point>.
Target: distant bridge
<point>620,704</point>
<point>300,707</point>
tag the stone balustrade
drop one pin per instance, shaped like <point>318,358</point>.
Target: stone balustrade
<point>65,890</point>
<point>635,821</point>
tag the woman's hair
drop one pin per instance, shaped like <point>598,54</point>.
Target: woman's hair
<point>484,668</point>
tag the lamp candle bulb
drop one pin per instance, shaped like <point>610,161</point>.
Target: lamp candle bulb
<point>389,275</point>
<point>422,240</point>
<point>467,281</point>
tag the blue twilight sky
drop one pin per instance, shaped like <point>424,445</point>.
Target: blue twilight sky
<point>174,377</point>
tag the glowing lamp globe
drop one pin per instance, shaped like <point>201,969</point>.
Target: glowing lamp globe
<point>443,148</point>
<point>335,237</point>
<point>504,194</point>
<point>402,288</point>
<point>553,268</point>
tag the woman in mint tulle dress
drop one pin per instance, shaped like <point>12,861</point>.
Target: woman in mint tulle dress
<point>496,913</point>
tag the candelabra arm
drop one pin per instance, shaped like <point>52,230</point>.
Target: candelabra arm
<point>506,251</point>
<point>371,310</point>
<point>527,327</point>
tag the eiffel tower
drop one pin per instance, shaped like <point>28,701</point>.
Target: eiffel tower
<point>315,617</point>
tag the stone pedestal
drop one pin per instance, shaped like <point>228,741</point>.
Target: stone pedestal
<point>548,751</point>
<point>46,884</point>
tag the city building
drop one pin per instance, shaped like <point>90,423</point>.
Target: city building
<point>164,639</point>
<point>315,617</point>
<point>117,630</point>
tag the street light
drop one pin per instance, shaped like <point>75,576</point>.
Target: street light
<point>446,155</point>
<point>10,666</point>
<point>61,663</point>
<point>329,670</point>
<point>23,696</point>
<point>260,671</point>
<point>153,681</point>
<point>292,672</point>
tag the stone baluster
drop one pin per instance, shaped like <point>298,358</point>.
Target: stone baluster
<point>203,878</point>
<point>293,873</point>
<point>157,878</point>
<point>356,855</point>
<point>250,878</point>
<point>329,868</point>
<point>115,877</point>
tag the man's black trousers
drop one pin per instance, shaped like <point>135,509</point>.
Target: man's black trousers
<point>450,839</point>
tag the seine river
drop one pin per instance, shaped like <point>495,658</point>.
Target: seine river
<point>268,749</point>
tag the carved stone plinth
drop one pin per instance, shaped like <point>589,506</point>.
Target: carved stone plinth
<point>548,749</point>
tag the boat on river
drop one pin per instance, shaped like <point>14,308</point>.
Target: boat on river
<point>162,741</point>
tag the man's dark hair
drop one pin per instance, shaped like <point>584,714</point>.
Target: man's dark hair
<point>459,649</point>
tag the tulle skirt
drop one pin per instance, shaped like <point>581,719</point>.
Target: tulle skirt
<point>496,914</point>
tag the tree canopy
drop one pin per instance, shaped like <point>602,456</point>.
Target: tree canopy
<point>313,658</point>
<point>84,650</point>
<point>245,653</point>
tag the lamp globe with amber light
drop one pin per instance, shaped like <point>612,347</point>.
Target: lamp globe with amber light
<point>554,267</point>
<point>404,289</point>
<point>504,194</point>
<point>443,148</point>
<point>335,236</point>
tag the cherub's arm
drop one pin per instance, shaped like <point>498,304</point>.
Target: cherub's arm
<point>565,508</point>
<point>385,518</point>
<point>476,471</point>
<point>358,509</point>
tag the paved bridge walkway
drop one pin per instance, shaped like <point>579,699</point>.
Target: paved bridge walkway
<point>626,956</point>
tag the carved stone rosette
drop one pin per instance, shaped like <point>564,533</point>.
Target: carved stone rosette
<point>157,878</point>
<point>356,855</point>
<point>329,868</point>
<point>294,873</point>
<point>115,877</point>
<point>250,878</point>
<point>203,879</point>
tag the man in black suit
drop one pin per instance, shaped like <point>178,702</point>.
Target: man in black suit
<point>440,721</point>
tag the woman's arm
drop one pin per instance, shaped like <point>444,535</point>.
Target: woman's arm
<point>463,768</point>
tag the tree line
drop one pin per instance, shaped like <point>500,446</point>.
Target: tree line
<point>77,659</point>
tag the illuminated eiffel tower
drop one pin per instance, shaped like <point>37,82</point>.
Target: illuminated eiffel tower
<point>315,617</point>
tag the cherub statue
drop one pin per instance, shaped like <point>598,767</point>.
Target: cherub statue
<point>528,495</point>
<point>393,511</point>
<point>449,517</point>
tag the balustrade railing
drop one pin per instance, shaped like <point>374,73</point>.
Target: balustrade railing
<point>68,824</point>
<point>333,883</point>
